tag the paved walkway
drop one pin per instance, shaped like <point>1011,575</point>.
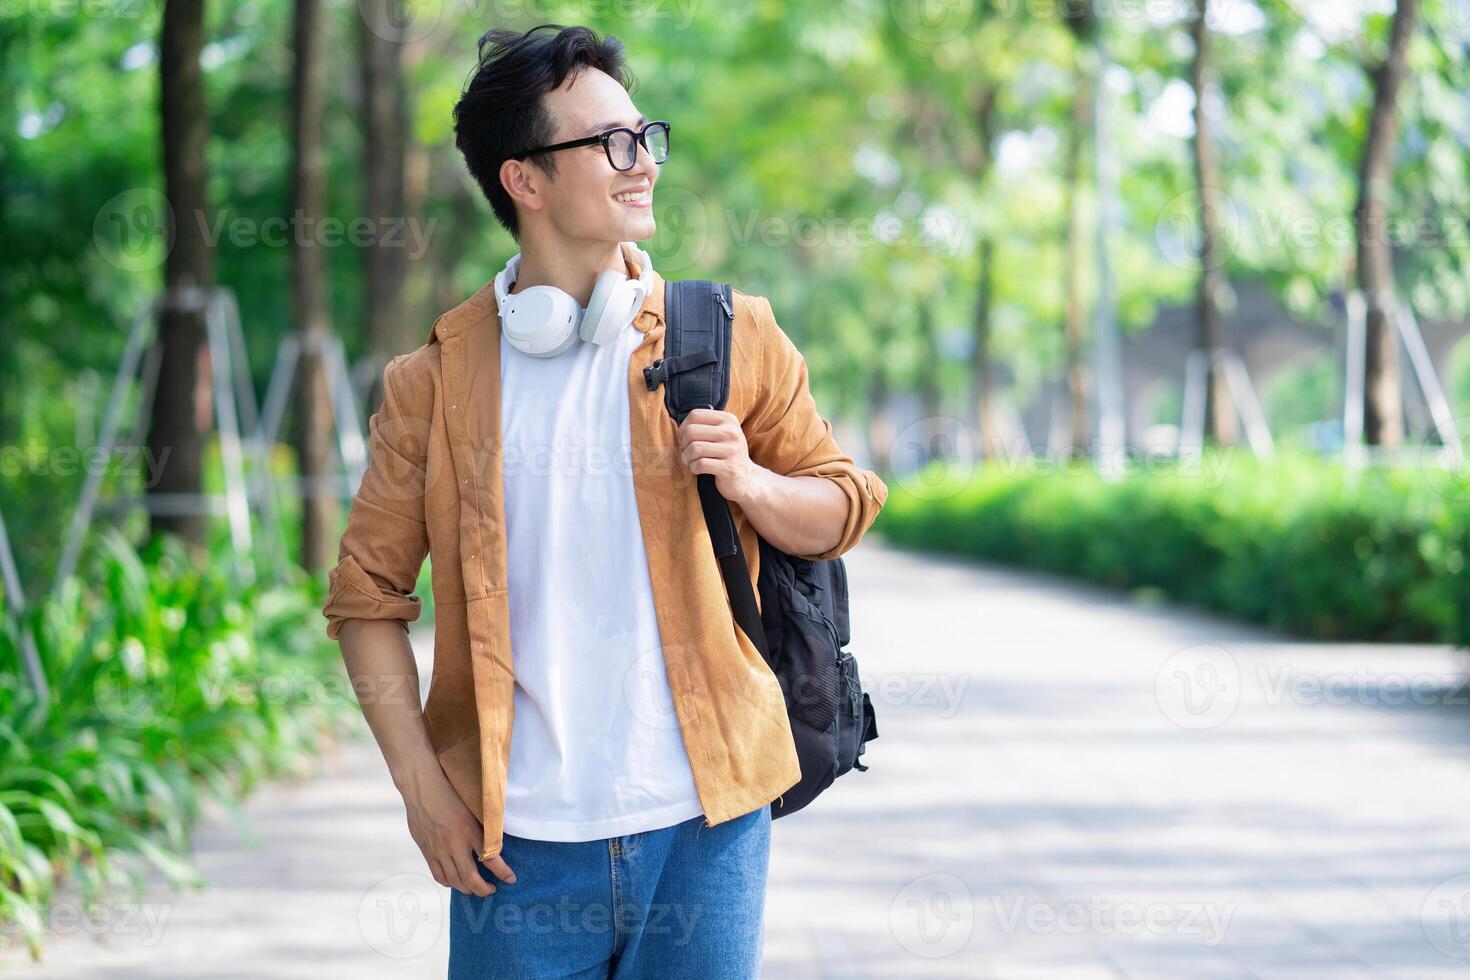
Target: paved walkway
<point>1068,784</point>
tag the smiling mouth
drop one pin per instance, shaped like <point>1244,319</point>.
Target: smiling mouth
<point>634,198</point>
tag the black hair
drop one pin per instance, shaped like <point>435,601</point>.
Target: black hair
<point>500,113</point>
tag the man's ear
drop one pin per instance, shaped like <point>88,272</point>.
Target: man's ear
<point>523,182</point>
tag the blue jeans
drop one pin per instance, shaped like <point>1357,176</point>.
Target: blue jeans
<point>683,901</point>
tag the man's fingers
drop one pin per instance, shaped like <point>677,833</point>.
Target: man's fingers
<point>470,879</point>
<point>707,416</point>
<point>709,450</point>
<point>500,869</point>
<point>438,872</point>
<point>706,430</point>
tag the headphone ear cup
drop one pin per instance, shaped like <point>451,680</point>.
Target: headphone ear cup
<point>541,321</point>
<point>610,308</point>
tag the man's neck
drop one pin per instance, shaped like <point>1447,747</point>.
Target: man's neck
<point>570,267</point>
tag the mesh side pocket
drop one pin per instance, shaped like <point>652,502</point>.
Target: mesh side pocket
<point>809,672</point>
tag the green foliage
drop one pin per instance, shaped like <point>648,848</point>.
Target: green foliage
<point>171,684</point>
<point>1297,544</point>
<point>1302,394</point>
<point>794,125</point>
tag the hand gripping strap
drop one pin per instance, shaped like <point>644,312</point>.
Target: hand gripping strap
<point>695,371</point>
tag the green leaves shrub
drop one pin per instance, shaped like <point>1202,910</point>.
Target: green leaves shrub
<point>1297,543</point>
<point>172,684</point>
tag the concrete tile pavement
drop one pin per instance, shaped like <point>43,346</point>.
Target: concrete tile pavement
<point>1070,784</point>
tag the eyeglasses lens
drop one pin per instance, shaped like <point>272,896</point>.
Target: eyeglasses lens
<point>623,145</point>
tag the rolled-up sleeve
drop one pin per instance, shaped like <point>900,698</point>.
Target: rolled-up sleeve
<point>786,434</point>
<point>383,548</point>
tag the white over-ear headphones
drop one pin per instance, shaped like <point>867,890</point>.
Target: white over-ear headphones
<point>543,321</point>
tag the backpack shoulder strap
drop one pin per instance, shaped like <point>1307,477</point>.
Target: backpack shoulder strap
<point>695,368</point>
<point>699,316</point>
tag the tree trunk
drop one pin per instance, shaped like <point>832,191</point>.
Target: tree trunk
<point>320,508</point>
<point>384,127</point>
<point>1220,421</point>
<point>1383,418</point>
<point>452,243</point>
<point>930,389</point>
<point>419,270</point>
<point>880,429</point>
<point>1076,313</point>
<point>880,421</point>
<point>175,435</point>
<point>980,366</point>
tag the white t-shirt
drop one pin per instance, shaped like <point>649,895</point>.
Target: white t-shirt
<point>595,749</point>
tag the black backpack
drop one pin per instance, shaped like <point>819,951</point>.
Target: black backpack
<point>801,624</point>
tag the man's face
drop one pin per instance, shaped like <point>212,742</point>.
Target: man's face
<point>587,198</point>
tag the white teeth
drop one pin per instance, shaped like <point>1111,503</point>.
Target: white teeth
<point>635,196</point>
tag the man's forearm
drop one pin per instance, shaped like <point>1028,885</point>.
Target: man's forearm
<point>380,663</point>
<point>380,660</point>
<point>800,515</point>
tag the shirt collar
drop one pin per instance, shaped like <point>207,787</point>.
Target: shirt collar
<point>481,307</point>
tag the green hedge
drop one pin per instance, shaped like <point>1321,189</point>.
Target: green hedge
<point>171,684</point>
<point>1299,544</point>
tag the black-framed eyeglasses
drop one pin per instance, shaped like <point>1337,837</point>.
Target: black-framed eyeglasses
<point>620,145</point>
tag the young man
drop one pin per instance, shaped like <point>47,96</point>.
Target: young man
<point>592,771</point>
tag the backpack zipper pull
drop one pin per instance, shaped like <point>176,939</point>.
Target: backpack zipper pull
<point>720,298</point>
